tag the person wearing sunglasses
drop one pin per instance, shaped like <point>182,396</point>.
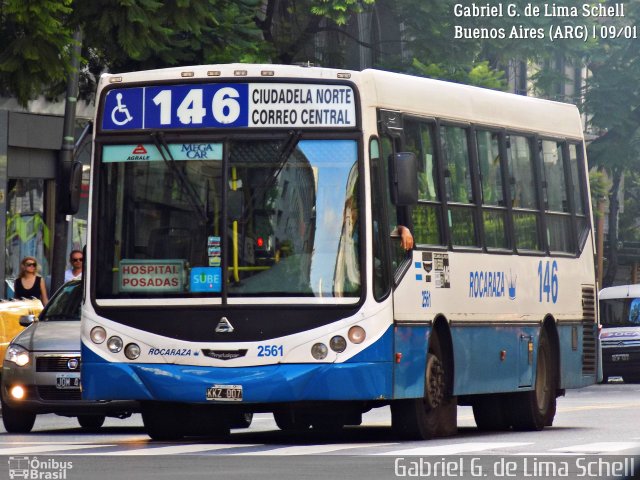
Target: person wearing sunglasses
<point>29,284</point>
<point>76,259</point>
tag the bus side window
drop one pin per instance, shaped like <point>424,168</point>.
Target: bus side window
<point>577,187</point>
<point>494,212</point>
<point>381,277</point>
<point>558,215</point>
<point>393,213</point>
<point>426,215</point>
<point>526,217</point>
<point>461,207</point>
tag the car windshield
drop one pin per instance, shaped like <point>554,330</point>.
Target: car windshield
<point>291,209</point>
<point>65,304</point>
<point>620,312</point>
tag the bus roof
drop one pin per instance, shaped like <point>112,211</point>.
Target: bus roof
<point>394,91</point>
<point>620,291</point>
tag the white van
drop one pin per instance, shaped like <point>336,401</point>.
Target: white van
<point>620,335</point>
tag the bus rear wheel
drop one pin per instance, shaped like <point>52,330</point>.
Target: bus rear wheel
<point>490,413</point>
<point>535,409</point>
<point>434,415</point>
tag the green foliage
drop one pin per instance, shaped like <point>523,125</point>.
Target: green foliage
<point>629,223</point>
<point>479,74</point>
<point>35,38</point>
<point>119,35</point>
<point>599,185</point>
<point>338,11</point>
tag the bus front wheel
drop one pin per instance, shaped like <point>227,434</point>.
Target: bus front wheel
<point>433,415</point>
<point>162,422</point>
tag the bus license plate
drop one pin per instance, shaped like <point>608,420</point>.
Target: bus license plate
<point>67,381</point>
<point>225,393</point>
<point>620,357</point>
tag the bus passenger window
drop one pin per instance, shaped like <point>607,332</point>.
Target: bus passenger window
<point>461,214</point>
<point>493,199</point>
<point>523,193</point>
<point>558,218</point>
<point>577,189</point>
<point>426,216</point>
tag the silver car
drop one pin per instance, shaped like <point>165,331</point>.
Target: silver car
<point>41,369</point>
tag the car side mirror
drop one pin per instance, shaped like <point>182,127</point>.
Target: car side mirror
<point>26,320</point>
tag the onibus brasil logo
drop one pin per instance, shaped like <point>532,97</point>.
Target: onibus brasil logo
<point>36,469</point>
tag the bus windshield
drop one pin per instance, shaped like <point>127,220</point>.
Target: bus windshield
<point>291,219</point>
<point>620,312</point>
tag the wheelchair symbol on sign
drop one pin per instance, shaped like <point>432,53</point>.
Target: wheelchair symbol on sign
<point>118,112</point>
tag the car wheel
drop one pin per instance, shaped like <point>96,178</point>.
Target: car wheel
<point>91,422</point>
<point>16,420</point>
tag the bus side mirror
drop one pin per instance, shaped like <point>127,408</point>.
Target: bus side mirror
<point>75,188</point>
<point>403,167</point>
<point>70,189</point>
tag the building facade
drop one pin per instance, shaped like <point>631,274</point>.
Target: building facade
<point>29,154</point>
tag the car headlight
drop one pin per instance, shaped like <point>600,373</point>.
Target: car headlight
<point>18,355</point>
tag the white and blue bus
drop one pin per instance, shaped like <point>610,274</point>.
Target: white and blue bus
<point>242,253</point>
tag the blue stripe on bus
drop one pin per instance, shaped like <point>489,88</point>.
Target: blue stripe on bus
<point>358,379</point>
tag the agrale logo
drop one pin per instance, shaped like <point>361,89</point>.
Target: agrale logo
<point>35,469</point>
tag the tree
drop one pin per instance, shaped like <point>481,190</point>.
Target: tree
<point>613,102</point>
<point>118,36</point>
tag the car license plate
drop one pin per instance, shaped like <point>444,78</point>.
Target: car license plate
<point>620,357</point>
<point>225,393</point>
<point>67,381</point>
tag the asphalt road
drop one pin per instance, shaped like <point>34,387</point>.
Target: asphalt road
<point>595,435</point>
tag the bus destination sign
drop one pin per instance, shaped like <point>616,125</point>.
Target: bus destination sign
<point>237,105</point>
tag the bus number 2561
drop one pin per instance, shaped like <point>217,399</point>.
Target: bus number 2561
<point>270,350</point>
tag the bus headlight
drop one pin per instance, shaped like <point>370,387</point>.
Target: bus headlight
<point>357,334</point>
<point>319,351</point>
<point>18,355</point>
<point>338,344</point>
<point>114,344</point>
<point>98,335</point>
<point>132,351</point>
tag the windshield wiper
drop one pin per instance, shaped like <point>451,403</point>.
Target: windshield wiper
<point>282,157</point>
<point>185,184</point>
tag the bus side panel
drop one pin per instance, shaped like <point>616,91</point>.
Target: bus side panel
<point>572,355</point>
<point>411,358</point>
<point>493,359</point>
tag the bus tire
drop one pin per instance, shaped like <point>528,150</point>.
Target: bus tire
<point>161,422</point>
<point>535,409</point>
<point>434,415</point>
<point>288,421</point>
<point>490,413</point>
<point>17,421</point>
<point>91,423</point>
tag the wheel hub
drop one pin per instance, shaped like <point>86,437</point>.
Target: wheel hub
<point>435,384</point>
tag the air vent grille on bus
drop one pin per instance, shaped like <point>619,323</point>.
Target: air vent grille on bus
<point>589,353</point>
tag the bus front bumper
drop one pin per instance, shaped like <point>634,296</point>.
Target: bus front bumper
<point>260,384</point>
